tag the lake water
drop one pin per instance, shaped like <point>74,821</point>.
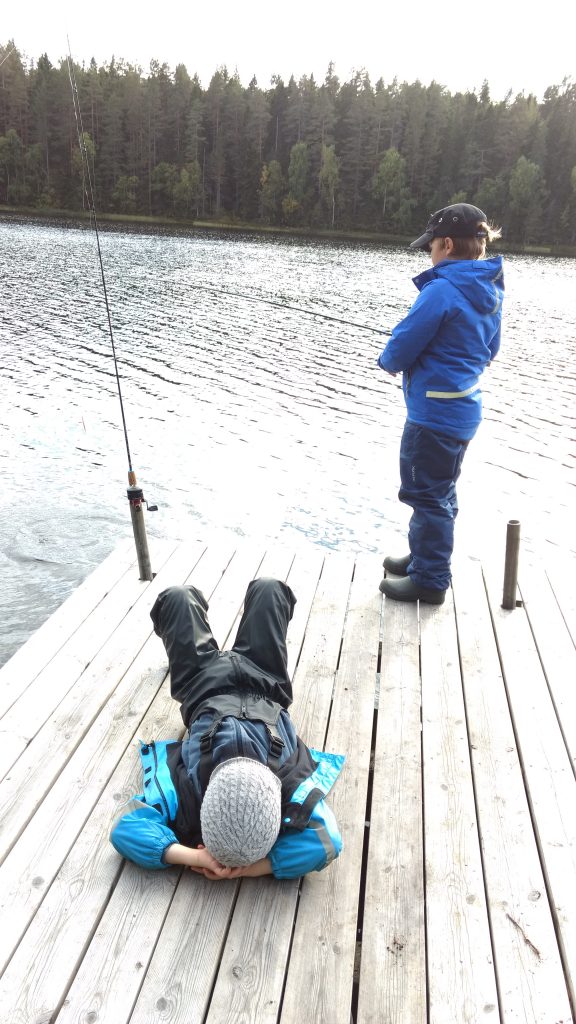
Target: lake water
<point>246,419</point>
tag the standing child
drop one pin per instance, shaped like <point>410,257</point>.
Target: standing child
<point>442,346</point>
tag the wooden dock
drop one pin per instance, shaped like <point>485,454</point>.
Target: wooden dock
<point>454,899</point>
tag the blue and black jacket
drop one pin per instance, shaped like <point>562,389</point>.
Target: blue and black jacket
<point>168,811</point>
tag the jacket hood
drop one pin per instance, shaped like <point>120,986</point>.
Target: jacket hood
<point>480,281</point>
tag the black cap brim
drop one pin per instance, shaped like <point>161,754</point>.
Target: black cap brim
<point>424,241</point>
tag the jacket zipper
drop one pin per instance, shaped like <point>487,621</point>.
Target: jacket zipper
<point>160,790</point>
<point>238,680</point>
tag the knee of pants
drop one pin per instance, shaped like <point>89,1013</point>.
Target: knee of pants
<point>176,594</point>
<point>264,585</point>
<point>173,594</point>
<point>267,586</point>
<point>173,597</point>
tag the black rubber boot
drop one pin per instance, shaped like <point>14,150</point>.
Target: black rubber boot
<point>398,566</point>
<point>407,590</point>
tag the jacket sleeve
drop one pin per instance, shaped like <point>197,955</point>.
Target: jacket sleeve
<point>296,853</point>
<point>411,336</point>
<point>141,836</point>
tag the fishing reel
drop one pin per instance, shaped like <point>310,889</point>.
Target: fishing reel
<point>136,498</point>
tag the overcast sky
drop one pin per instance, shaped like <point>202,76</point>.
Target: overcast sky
<point>455,43</point>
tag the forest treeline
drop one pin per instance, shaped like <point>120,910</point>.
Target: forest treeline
<point>348,155</point>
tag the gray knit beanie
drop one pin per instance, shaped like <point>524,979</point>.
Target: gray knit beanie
<point>240,812</point>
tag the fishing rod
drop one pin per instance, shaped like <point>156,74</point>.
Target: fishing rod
<point>5,58</point>
<point>135,494</point>
<point>297,309</point>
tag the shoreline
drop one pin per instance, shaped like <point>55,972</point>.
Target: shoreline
<point>326,234</point>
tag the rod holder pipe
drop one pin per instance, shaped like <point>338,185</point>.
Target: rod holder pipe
<point>136,500</point>
<point>511,564</point>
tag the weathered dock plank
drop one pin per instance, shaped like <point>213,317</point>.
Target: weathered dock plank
<point>556,649</point>
<point>461,979</point>
<point>528,966</point>
<point>392,986</point>
<point>324,946</point>
<point>561,578</point>
<point>548,773</point>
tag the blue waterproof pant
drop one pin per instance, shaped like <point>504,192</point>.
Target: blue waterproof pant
<point>430,465</point>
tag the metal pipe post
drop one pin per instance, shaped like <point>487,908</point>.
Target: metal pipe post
<point>511,564</point>
<point>136,500</point>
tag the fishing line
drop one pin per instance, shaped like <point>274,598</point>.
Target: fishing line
<point>10,52</point>
<point>89,192</point>
<point>286,305</point>
<point>297,309</point>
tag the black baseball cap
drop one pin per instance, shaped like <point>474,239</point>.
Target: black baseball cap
<point>457,221</point>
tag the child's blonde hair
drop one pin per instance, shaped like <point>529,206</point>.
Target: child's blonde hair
<point>475,248</point>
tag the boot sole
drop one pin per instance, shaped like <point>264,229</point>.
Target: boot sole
<point>426,596</point>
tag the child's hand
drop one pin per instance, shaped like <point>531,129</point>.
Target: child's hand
<point>260,867</point>
<point>207,865</point>
<point>202,862</point>
<point>199,860</point>
<point>210,868</point>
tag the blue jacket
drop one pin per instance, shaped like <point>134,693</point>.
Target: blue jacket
<point>168,810</point>
<point>446,341</point>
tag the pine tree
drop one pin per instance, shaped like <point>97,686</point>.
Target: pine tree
<point>328,182</point>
